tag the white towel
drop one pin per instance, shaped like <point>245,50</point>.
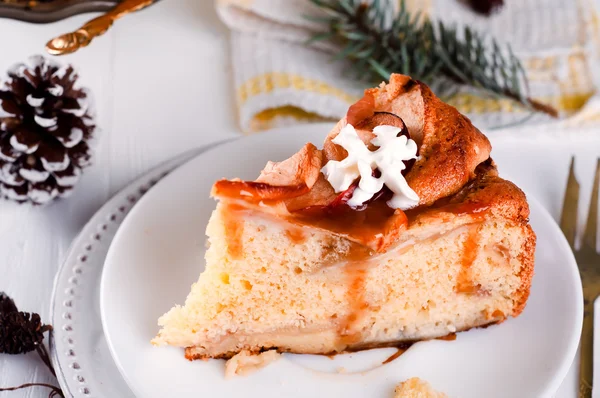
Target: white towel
<point>281,81</point>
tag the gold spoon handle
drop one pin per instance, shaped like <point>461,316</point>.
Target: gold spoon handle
<point>71,42</point>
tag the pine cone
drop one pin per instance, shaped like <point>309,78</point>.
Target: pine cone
<point>6,304</point>
<point>45,126</point>
<point>20,332</point>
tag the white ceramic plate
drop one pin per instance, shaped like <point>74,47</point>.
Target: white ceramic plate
<point>158,253</point>
<point>83,364</point>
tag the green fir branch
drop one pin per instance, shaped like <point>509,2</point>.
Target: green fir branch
<point>379,43</point>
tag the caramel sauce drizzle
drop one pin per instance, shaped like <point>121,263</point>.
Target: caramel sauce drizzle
<point>296,235</point>
<point>356,274</point>
<point>402,348</point>
<point>448,337</point>
<point>234,227</point>
<point>368,225</point>
<point>476,210</point>
<point>464,280</point>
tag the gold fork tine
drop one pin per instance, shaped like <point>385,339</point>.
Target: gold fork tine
<point>591,227</point>
<point>568,218</point>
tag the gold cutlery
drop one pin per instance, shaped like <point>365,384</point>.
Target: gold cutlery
<point>71,42</point>
<point>588,261</point>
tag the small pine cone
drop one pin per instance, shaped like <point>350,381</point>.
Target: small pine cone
<point>6,304</point>
<point>45,128</point>
<point>20,332</point>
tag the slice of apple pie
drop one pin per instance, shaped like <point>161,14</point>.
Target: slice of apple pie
<point>398,230</point>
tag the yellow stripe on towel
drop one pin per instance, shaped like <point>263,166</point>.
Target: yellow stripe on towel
<point>568,102</point>
<point>282,116</point>
<point>268,82</point>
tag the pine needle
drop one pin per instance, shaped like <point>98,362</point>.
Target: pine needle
<point>379,43</point>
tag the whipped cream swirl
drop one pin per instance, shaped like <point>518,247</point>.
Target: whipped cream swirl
<point>389,159</point>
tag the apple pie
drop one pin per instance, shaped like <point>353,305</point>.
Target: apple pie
<point>398,230</point>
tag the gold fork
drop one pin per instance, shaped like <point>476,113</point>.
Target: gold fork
<point>588,261</point>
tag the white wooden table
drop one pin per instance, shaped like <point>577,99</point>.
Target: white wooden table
<point>161,81</point>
